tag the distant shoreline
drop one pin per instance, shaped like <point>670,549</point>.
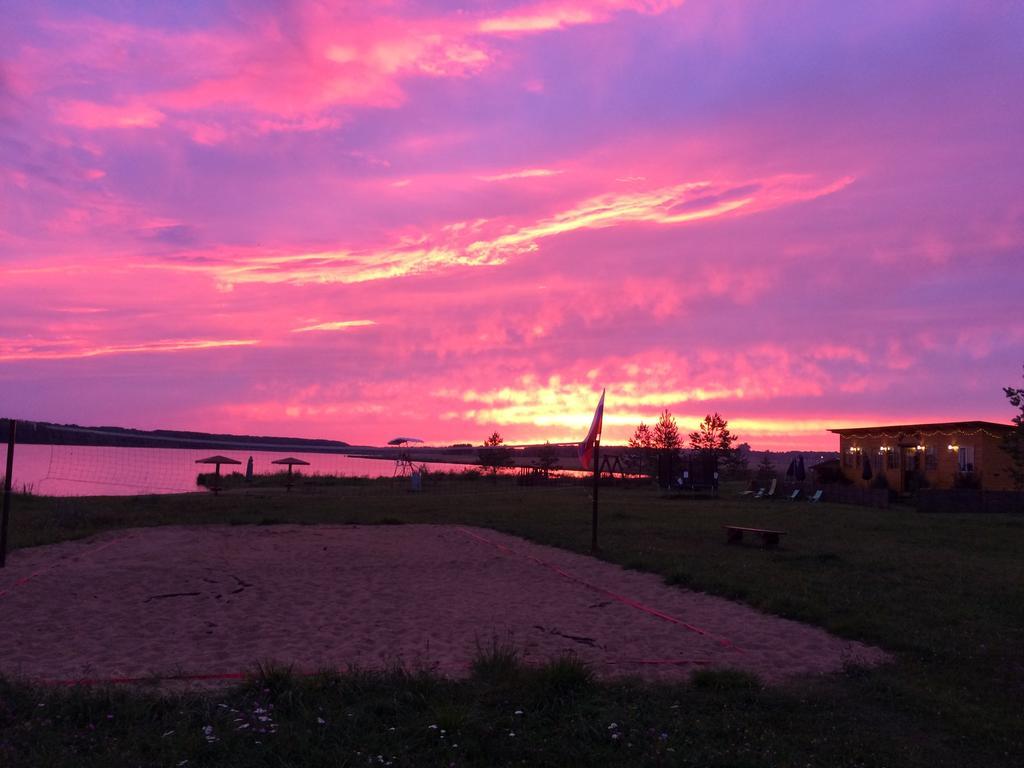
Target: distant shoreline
<point>46,433</point>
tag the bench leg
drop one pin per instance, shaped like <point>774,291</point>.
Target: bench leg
<point>771,541</point>
<point>732,536</point>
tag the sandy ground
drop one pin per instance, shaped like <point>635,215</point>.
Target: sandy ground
<point>204,600</point>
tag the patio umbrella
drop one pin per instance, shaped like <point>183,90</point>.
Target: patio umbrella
<point>866,472</point>
<point>791,469</point>
<point>800,473</point>
<point>248,470</point>
<point>217,461</point>
<point>291,462</point>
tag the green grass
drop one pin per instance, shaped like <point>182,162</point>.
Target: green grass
<point>944,594</point>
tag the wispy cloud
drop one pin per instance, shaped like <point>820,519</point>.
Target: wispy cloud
<point>679,204</point>
<point>339,266</point>
<point>551,16</point>
<point>85,114</point>
<point>334,325</point>
<point>527,173</point>
<point>460,244</point>
<point>63,350</point>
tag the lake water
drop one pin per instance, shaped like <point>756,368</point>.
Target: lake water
<point>85,470</point>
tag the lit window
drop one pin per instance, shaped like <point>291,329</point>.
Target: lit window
<point>966,454</point>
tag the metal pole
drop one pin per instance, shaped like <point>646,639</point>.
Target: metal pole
<point>12,428</point>
<point>597,477</point>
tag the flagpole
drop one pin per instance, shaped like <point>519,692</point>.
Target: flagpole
<point>597,477</point>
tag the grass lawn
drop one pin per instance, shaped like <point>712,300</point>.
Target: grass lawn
<point>943,594</point>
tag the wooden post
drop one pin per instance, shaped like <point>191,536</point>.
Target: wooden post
<point>597,479</point>
<point>12,428</point>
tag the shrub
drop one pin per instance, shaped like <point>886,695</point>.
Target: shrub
<point>565,676</point>
<point>969,480</point>
<point>498,662</point>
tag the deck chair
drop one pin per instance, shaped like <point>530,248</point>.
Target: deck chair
<point>816,496</point>
<point>770,493</point>
<point>794,495</point>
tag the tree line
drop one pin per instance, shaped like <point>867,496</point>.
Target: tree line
<point>712,440</point>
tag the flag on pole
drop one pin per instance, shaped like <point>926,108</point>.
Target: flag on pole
<point>593,436</point>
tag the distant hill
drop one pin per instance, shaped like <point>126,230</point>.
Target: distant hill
<point>44,433</point>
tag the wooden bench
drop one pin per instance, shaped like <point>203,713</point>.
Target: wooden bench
<point>734,535</point>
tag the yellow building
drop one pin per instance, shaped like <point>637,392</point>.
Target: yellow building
<point>912,456</point>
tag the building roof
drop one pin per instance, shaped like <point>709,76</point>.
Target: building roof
<point>946,427</point>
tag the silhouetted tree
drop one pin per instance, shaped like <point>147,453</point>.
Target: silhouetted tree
<point>641,445</point>
<point>712,437</point>
<point>1013,443</point>
<point>666,432</point>
<point>495,454</point>
<point>736,463</point>
<point>642,437</point>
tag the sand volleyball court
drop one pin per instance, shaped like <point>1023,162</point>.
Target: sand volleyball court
<point>215,600</point>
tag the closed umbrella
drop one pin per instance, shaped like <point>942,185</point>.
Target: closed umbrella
<point>800,473</point>
<point>866,472</point>
<point>248,470</point>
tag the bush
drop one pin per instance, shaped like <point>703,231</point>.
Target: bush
<point>498,662</point>
<point>565,676</point>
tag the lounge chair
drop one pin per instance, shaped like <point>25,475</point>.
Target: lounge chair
<point>794,495</point>
<point>816,496</point>
<point>770,493</point>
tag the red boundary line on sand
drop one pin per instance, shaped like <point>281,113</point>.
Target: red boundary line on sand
<point>723,641</point>
<point>51,566</point>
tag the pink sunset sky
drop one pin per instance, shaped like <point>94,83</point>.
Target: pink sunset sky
<point>357,220</point>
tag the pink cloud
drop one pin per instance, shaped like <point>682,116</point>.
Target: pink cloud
<point>319,61</point>
<point>550,16</point>
<point>485,243</point>
<point>84,114</point>
<point>13,349</point>
<point>334,325</point>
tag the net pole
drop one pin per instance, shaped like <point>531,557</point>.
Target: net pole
<point>11,428</point>
<point>597,477</point>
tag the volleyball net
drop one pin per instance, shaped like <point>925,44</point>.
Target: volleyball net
<point>68,460</point>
